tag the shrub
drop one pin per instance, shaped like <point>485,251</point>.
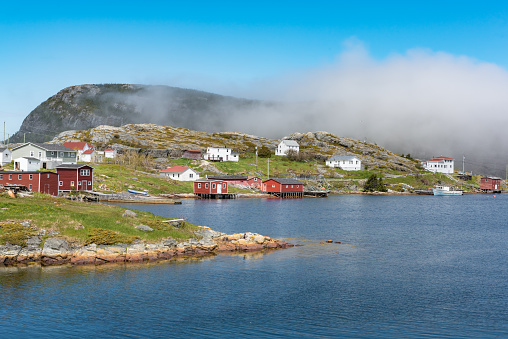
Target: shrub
<point>264,152</point>
<point>101,236</point>
<point>16,234</point>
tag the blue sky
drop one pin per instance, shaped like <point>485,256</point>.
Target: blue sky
<point>226,47</point>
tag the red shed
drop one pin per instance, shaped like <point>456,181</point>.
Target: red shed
<point>212,188</point>
<point>43,182</point>
<point>75,177</point>
<point>283,188</point>
<point>490,184</point>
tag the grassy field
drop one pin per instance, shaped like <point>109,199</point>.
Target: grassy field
<point>80,223</point>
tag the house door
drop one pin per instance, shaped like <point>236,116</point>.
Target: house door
<point>46,188</point>
<point>219,188</point>
<point>83,185</point>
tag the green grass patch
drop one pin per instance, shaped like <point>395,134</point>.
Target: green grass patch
<point>78,222</point>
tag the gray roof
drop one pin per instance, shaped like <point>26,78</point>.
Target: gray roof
<point>286,181</point>
<point>343,157</point>
<point>290,142</point>
<point>230,177</point>
<point>3,149</point>
<point>72,166</point>
<point>49,147</point>
<point>29,158</point>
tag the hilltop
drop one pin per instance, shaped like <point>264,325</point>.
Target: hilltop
<point>90,105</point>
<point>164,141</point>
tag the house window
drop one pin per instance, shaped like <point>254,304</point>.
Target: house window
<point>199,185</point>
<point>206,185</point>
<point>297,186</point>
<point>60,183</point>
<point>84,172</point>
<point>286,186</point>
<point>213,186</point>
<point>1,176</point>
<point>52,152</point>
<point>72,183</point>
<point>223,185</point>
<point>10,176</point>
<point>255,179</point>
<point>31,153</point>
<point>47,175</point>
<point>191,175</point>
<point>40,155</point>
<point>291,186</point>
<point>273,185</point>
<point>30,176</point>
<point>30,187</point>
<point>19,176</point>
<point>89,183</point>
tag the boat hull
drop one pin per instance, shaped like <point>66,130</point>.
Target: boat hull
<point>446,192</point>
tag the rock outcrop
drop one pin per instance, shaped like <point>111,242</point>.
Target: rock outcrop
<point>57,251</point>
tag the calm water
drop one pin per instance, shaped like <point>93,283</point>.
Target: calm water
<point>408,266</point>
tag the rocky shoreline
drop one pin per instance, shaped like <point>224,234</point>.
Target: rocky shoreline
<point>57,251</point>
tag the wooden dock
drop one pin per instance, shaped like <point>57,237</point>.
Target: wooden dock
<point>217,195</point>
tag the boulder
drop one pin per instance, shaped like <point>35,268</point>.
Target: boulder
<point>129,213</point>
<point>55,246</point>
<point>144,228</point>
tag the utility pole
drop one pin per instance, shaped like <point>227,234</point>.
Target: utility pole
<point>256,158</point>
<point>268,168</point>
<point>463,158</point>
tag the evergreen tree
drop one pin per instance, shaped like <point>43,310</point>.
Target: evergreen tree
<point>374,184</point>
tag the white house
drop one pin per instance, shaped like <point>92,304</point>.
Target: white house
<point>5,156</point>
<point>79,147</point>
<point>220,154</point>
<point>50,155</point>
<point>88,155</point>
<point>440,165</point>
<point>285,146</point>
<point>110,153</point>
<point>27,164</point>
<point>182,173</point>
<point>347,163</point>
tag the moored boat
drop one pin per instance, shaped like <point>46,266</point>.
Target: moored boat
<point>137,192</point>
<point>446,190</point>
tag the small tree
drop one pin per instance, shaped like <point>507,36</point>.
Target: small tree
<point>264,152</point>
<point>374,184</point>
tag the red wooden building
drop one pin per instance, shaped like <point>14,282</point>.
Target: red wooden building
<point>490,184</point>
<point>238,180</point>
<point>212,189</point>
<point>283,188</point>
<point>75,177</point>
<point>43,182</point>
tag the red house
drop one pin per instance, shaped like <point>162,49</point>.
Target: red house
<point>283,188</point>
<point>75,177</point>
<point>43,182</point>
<point>490,184</point>
<point>212,188</point>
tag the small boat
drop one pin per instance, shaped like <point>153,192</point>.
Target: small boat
<point>446,190</point>
<point>137,192</point>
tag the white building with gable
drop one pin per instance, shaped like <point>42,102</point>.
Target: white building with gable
<point>440,165</point>
<point>285,146</point>
<point>347,163</point>
<point>220,154</point>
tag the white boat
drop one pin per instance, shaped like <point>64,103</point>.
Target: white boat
<point>137,192</point>
<point>446,190</point>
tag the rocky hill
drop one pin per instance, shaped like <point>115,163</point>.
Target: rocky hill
<point>164,141</point>
<point>87,106</point>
